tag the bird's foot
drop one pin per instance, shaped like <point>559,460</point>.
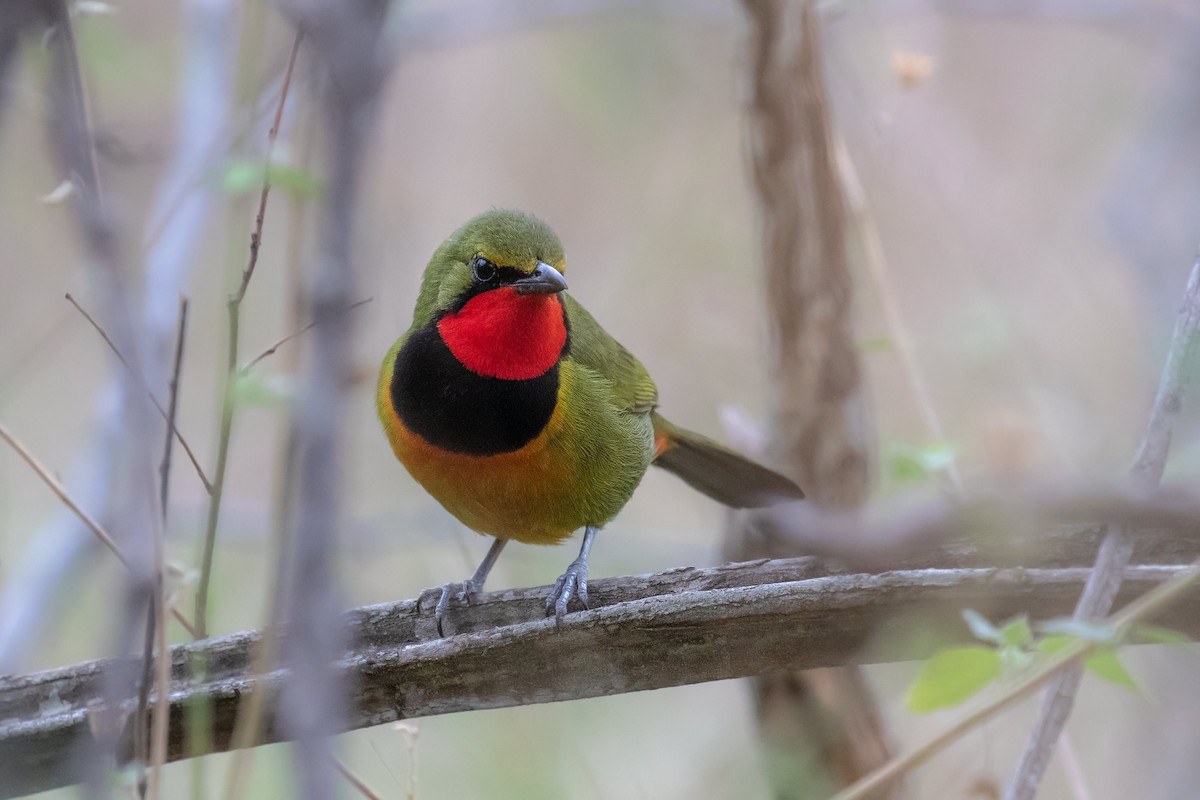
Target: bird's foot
<point>466,592</point>
<point>571,585</point>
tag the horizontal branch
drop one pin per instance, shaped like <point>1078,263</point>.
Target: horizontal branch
<point>645,632</point>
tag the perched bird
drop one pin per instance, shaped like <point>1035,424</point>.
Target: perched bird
<point>510,405</point>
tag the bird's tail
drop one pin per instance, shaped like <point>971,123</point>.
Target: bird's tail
<point>717,471</point>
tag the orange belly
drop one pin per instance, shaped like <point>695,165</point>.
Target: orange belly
<point>530,494</point>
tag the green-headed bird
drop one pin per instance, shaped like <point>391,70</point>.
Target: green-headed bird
<point>510,404</point>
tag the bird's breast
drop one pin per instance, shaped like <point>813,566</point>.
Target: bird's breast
<point>456,409</point>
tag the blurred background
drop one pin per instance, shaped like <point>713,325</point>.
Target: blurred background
<point>1031,169</point>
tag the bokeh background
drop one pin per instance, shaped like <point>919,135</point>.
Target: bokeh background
<point>1031,170</point>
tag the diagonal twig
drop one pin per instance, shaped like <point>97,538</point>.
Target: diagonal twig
<point>1115,551</point>
<point>157,405</point>
<point>270,351</point>
<point>60,491</point>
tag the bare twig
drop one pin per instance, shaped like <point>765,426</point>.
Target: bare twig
<point>60,492</point>
<point>1115,552</point>
<point>354,780</point>
<point>270,351</point>
<point>234,308</point>
<point>249,727</point>
<point>157,405</point>
<point>897,330</point>
<point>164,469</point>
<point>651,631</point>
<point>155,633</point>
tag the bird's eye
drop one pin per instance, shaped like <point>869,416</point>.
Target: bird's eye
<point>482,269</point>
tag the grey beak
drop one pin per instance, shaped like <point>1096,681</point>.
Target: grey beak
<point>545,279</point>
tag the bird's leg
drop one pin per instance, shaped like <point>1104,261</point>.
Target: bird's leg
<point>470,587</point>
<point>573,582</point>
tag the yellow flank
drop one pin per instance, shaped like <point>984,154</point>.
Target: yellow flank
<point>539,494</point>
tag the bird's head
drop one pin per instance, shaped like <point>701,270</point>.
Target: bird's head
<point>499,249</point>
<point>492,291</point>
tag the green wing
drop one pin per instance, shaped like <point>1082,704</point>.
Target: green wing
<point>592,347</point>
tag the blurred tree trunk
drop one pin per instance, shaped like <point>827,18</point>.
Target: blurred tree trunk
<point>821,728</point>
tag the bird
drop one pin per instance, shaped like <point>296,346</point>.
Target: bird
<point>510,405</point>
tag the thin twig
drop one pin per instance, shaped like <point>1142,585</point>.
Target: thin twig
<point>164,469</point>
<point>892,319</point>
<point>1115,552</point>
<point>141,738</point>
<point>354,780</point>
<point>249,365</point>
<point>155,754</point>
<point>231,365</point>
<point>157,405</point>
<point>61,492</point>
<point>272,135</point>
<point>249,727</point>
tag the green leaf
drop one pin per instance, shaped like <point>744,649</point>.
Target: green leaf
<point>876,344</point>
<point>1014,660</point>
<point>1054,643</point>
<point>1016,632</point>
<point>243,176</point>
<point>1098,632</point>
<point>251,389</point>
<point>295,180</point>
<point>981,627</point>
<point>1154,634</point>
<point>951,676</point>
<point>908,463</point>
<point>1106,665</point>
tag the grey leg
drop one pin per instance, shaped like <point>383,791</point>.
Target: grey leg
<point>470,587</point>
<point>572,583</point>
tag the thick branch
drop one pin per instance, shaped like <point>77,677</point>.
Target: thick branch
<point>645,632</point>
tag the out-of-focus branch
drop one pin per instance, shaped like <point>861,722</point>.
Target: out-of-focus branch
<point>61,546</point>
<point>134,498</point>
<point>352,63</point>
<point>822,727</point>
<point>644,632</point>
<point>1005,529</point>
<point>1117,548</point>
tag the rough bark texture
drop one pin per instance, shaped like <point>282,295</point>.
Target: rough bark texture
<point>645,632</point>
<point>823,727</point>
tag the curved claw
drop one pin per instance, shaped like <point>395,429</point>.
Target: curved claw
<point>571,585</point>
<point>466,591</point>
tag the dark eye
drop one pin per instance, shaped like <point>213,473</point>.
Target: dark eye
<point>482,269</point>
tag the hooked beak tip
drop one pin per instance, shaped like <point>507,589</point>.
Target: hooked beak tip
<point>544,279</point>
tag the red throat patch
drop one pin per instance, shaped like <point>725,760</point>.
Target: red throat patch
<point>503,334</point>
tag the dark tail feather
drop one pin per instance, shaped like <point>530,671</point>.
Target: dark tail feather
<point>717,471</point>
